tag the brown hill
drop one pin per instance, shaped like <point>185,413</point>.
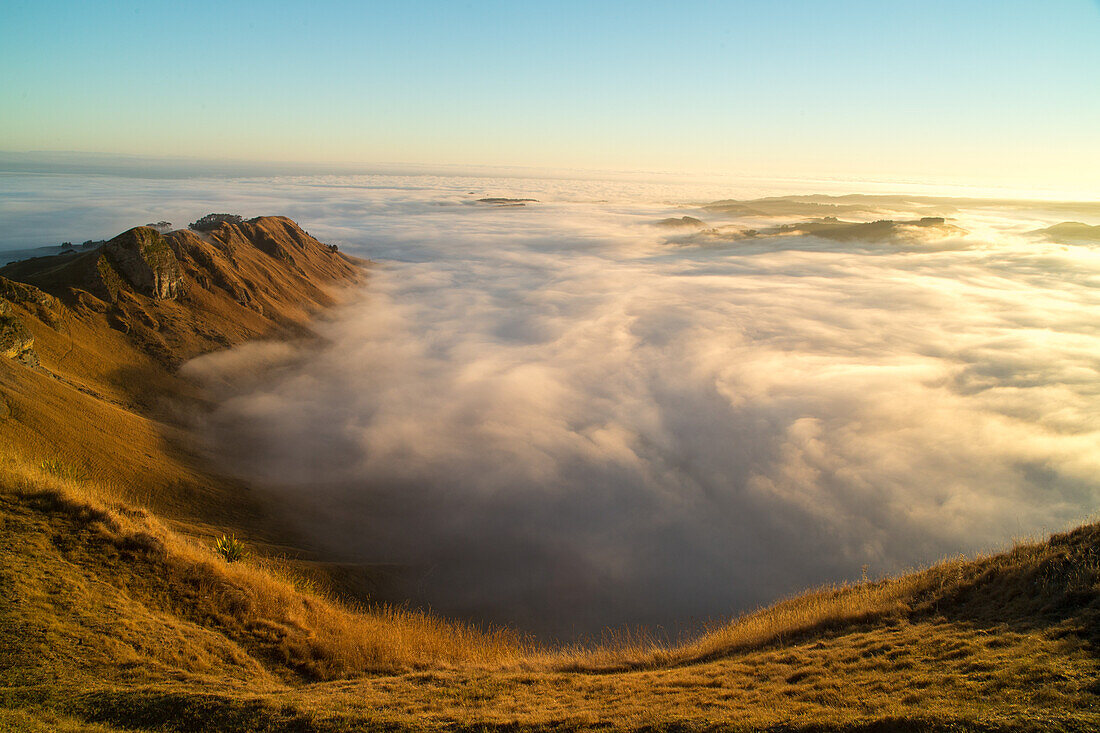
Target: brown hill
<point>93,341</point>
<point>684,222</point>
<point>180,294</point>
<point>1072,232</point>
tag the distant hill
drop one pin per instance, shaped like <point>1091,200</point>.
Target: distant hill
<point>498,201</point>
<point>683,222</point>
<point>832,228</point>
<point>1071,232</point>
<point>910,233</point>
<point>15,255</point>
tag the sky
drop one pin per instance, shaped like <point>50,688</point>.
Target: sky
<point>987,92</point>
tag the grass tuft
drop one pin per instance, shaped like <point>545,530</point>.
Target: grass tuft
<point>231,549</point>
<point>61,470</point>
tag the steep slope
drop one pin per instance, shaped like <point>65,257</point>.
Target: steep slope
<point>94,339</point>
<point>186,292</point>
<point>112,619</point>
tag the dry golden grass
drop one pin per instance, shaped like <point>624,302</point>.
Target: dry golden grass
<point>256,605</point>
<point>816,611</point>
<point>122,622</point>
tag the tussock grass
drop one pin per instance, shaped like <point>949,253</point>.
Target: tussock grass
<point>1002,642</point>
<point>231,549</point>
<point>282,623</point>
<point>821,610</point>
<point>1022,583</point>
<point>286,619</point>
<point>61,469</point>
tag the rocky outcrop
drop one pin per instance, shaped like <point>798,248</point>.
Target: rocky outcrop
<point>142,257</point>
<point>41,305</point>
<point>186,292</point>
<point>16,341</point>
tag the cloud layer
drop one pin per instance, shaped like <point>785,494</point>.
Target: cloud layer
<point>558,419</point>
<point>564,417</point>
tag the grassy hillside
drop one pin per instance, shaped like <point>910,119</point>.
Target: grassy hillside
<point>104,396</point>
<point>110,617</point>
<point>116,613</point>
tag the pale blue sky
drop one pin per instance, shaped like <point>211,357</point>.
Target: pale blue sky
<point>988,90</point>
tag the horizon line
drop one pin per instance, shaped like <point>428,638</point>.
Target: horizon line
<point>75,162</point>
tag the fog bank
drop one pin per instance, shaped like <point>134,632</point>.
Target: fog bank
<point>562,417</point>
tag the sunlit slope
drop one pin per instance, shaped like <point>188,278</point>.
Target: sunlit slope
<point>110,617</point>
<point>101,591</point>
<point>97,389</point>
<point>176,295</point>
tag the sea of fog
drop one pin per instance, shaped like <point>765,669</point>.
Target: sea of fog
<point>563,417</point>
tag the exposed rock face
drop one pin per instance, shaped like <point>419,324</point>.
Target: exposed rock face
<point>186,292</point>
<point>42,305</point>
<point>16,342</point>
<point>144,259</point>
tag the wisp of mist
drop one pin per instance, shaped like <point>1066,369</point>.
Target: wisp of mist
<point>562,418</point>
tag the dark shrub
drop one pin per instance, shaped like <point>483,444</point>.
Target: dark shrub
<point>213,221</point>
